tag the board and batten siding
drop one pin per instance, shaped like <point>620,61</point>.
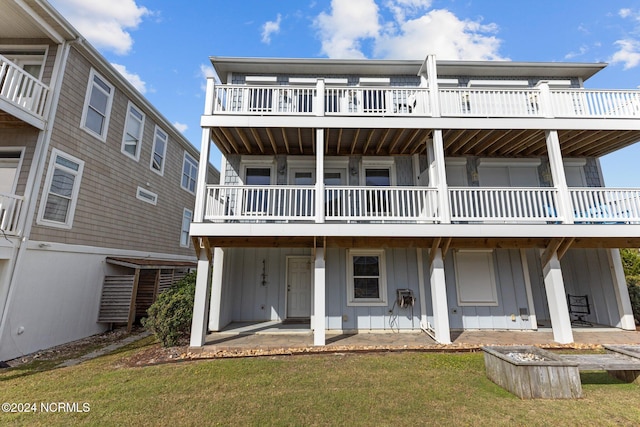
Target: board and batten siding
<point>108,214</point>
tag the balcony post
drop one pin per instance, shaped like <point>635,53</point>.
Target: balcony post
<point>545,99</point>
<point>201,185</point>
<point>437,174</point>
<point>320,107</point>
<point>319,175</point>
<point>559,178</point>
<point>432,78</point>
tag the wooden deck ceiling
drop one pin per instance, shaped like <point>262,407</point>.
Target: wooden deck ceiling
<point>389,141</point>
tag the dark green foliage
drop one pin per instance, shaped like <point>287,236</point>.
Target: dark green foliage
<point>170,315</point>
<point>631,265</point>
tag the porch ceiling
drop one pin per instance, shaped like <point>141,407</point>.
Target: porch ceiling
<point>7,121</point>
<point>393,141</point>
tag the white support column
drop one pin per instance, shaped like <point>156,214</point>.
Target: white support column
<point>319,104</point>
<point>201,301</point>
<point>559,179</point>
<point>557,299</point>
<point>439,299</point>
<point>438,175</point>
<point>621,291</point>
<point>320,175</point>
<point>432,77</point>
<point>424,322</point>
<point>319,298</point>
<point>215,302</point>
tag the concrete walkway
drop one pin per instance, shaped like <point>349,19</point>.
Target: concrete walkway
<point>104,350</point>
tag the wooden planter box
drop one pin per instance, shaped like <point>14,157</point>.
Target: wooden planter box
<point>532,373</point>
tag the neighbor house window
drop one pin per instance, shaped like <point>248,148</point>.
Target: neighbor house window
<point>159,151</point>
<point>187,217</point>
<point>189,173</point>
<point>366,277</point>
<point>132,138</point>
<point>62,186</point>
<point>97,106</point>
<point>146,196</point>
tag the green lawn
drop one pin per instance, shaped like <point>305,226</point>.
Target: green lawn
<point>341,389</point>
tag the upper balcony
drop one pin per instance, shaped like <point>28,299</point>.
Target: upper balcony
<point>22,96</point>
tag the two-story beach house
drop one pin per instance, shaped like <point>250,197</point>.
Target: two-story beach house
<point>96,187</point>
<point>370,195</point>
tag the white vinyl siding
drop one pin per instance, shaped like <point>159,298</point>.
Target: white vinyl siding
<point>189,173</point>
<point>475,278</point>
<point>133,129</point>
<point>146,196</point>
<point>159,151</point>
<point>62,186</point>
<point>97,106</point>
<point>187,217</point>
<point>366,277</point>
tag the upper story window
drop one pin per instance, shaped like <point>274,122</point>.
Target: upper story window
<point>97,106</point>
<point>62,186</point>
<point>30,59</point>
<point>159,151</point>
<point>187,217</point>
<point>189,173</point>
<point>133,129</point>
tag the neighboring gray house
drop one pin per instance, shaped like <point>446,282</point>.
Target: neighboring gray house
<point>93,179</point>
<point>404,195</point>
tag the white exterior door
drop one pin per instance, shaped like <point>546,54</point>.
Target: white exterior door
<point>298,287</point>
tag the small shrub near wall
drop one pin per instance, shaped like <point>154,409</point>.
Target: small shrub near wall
<point>631,265</point>
<point>633,283</point>
<point>170,315</point>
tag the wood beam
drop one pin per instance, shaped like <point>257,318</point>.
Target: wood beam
<point>355,140</point>
<point>339,140</point>
<point>300,140</point>
<point>381,141</point>
<point>506,140</point>
<point>256,137</point>
<point>455,146</point>
<point>395,140</point>
<point>434,246</point>
<point>487,133</point>
<point>285,139</point>
<point>564,247</point>
<point>227,133</point>
<point>272,140</point>
<point>524,144</point>
<point>223,141</point>
<point>244,139</point>
<point>368,141</point>
<point>551,249</point>
<point>445,247</point>
<point>412,137</point>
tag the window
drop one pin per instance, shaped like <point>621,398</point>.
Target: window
<point>133,128</point>
<point>257,198</point>
<point>97,106</point>
<point>10,163</point>
<point>187,217</point>
<point>475,278</point>
<point>366,277</point>
<point>62,184</point>
<point>159,151</point>
<point>146,196</point>
<point>189,173</point>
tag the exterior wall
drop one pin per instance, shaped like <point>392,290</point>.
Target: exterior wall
<point>110,179</point>
<point>26,138</point>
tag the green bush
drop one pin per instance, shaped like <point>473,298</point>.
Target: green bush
<point>631,265</point>
<point>633,283</point>
<point>170,315</point>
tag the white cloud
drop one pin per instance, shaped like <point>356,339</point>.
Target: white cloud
<point>411,32</point>
<point>269,28</point>
<point>350,22</point>
<point>182,128</point>
<point>105,23</point>
<point>628,53</point>
<point>581,51</point>
<point>133,78</point>
<point>206,71</point>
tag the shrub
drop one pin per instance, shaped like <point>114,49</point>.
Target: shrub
<point>170,315</point>
<point>633,283</point>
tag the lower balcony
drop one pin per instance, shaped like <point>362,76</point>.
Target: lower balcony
<point>416,205</point>
<point>10,206</point>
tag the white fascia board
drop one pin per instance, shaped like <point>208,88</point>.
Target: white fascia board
<point>488,162</point>
<point>302,80</point>
<point>372,81</point>
<point>498,83</point>
<point>261,79</point>
<point>336,81</point>
<point>415,230</point>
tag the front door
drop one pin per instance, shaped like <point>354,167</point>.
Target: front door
<point>298,287</point>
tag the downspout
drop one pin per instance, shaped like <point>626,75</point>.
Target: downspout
<point>40,153</point>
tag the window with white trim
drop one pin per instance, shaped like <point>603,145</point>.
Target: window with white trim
<point>97,106</point>
<point>146,196</point>
<point>189,173</point>
<point>159,151</point>
<point>187,217</point>
<point>366,277</point>
<point>133,129</point>
<point>475,277</point>
<point>62,186</point>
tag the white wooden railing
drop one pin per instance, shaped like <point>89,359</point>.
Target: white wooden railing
<point>490,102</point>
<point>21,88</point>
<point>414,101</point>
<point>10,206</point>
<point>381,203</point>
<point>609,205</point>
<point>521,204</point>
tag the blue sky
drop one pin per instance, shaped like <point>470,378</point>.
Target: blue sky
<point>162,46</point>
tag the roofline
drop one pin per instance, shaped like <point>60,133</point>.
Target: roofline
<point>224,65</point>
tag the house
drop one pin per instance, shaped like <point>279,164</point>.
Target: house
<point>94,183</point>
<point>400,195</point>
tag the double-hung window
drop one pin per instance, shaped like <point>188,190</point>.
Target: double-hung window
<point>187,217</point>
<point>189,173</point>
<point>62,187</point>
<point>159,151</point>
<point>366,277</point>
<point>97,106</point>
<point>133,128</point>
